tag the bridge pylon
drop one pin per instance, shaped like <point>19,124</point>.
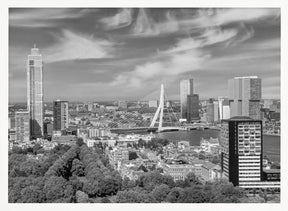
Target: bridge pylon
<point>159,111</point>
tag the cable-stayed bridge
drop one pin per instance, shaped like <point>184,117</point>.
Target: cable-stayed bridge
<point>164,119</point>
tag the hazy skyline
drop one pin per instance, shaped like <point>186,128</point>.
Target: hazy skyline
<point>109,54</point>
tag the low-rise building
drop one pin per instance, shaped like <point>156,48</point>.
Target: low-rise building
<point>271,174</point>
<point>210,171</point>
<point>178,171</point>
<point>183,145</point>
<point>118,155</point>
<point>66,139</point>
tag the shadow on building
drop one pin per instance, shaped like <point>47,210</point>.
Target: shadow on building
<point>35,129</point>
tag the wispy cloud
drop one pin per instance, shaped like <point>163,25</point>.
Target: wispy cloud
<point>220,17</point>
<point>71,46</point>
<point>145,25</point>
<point>194,20</point>
<point>132,51</point>
<point>163,68</point>
<point>42,17</point>
<point>121,19</point>
<point>208,37</point>
<point>186,55</point>
<point>225,16</point>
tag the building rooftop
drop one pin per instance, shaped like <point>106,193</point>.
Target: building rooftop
<point>271,170</point>
<point>209,165</point>
<point>245,77</point>
<point>240,118</point>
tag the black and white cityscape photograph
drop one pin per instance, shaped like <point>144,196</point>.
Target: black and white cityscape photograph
<point>144,105</point>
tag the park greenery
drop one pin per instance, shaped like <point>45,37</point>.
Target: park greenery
<point>79,174</point>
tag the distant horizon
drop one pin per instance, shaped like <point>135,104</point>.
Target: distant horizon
<point>100,101</point>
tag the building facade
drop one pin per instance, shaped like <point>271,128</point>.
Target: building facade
<point>11,120</point>
<point>226,112</point>
<point>241,147</point>
<point>210,111</point>
<point>60,115</point>
<point>35,92</point>
<point>48,129</point>
<point>216,111</point>
<point>178,171</point>
<point>210,172</point>
<point>22,126</point>
<point>186,88</point>
<point>193,108</point>
<point>245,96</point>
<point>223,102</point>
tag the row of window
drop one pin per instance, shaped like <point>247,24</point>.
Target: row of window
<point>249,174</point>
<point>249,166</point>
<point>250,159</point>
<point>247,177</point>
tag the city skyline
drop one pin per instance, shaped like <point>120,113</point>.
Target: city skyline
<point>145,105</point>
<point>127,53</point>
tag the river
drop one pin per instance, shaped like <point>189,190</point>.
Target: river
<point>271,144</point>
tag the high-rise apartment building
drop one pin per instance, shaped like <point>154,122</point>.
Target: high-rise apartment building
<point>241,150</point>
<point>35,92</point>
<point>245,96</point>
<point>60,115</point>
<point>193,108</point>
<point>22,126</point>
<point>186,88</point>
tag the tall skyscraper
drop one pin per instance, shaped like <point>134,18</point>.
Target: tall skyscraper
<point>186,88</point>
<point>245,96</point>
<point>35,92</point>
<point>22,123</point>
<point>193,108</point>
<point>241,150</point>
<point>60,115</point>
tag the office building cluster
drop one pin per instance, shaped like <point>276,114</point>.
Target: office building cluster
<point>29,124</point>
<point>244,99</point>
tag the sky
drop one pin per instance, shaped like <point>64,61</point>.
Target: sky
<point>93,54</point>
